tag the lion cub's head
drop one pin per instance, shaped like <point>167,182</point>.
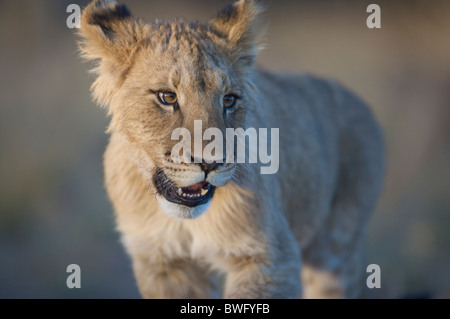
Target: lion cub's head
<point>157,77</point>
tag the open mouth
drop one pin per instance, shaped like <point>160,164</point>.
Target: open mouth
<point>190,196</point>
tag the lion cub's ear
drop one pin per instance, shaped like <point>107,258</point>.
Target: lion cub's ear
<point>240,23</point>
<point>111,35</point>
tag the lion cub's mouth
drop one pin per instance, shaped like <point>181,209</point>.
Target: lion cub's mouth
<point>191,196</point>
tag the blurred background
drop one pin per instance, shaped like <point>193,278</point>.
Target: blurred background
<point>53,207</point>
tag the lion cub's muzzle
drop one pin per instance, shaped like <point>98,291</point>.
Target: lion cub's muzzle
<point>190,196</point>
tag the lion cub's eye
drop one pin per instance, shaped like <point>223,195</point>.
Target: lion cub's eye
<point>167,98</point>
<point>229,101</point>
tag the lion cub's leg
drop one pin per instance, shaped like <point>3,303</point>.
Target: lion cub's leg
<point>271,275</point>
<point>178,279</point>
<point>333,271</point>
<point>334,261</point>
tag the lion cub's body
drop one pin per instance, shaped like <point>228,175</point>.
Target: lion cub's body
<point>268,233</point>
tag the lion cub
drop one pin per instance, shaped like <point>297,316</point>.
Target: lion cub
<point>295,233</point>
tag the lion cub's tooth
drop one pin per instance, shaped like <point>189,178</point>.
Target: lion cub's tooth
<point>180,192</point>
<point>204,191</point>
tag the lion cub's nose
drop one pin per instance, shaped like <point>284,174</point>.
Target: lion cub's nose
<point>208,167</point>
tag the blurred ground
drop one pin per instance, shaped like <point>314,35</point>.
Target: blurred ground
<point>53,207</point>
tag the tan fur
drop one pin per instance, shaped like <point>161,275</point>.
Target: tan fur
<point>261,230</point>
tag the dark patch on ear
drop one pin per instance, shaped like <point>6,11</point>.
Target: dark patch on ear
<point>228,13</point>
<point>118,13</point>
<point>106,17</point>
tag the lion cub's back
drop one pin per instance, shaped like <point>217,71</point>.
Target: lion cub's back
<point>324,129</point>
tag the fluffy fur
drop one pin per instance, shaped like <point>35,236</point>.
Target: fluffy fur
<point>297,232</point>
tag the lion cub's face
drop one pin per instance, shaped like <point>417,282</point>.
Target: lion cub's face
<point>160,77</point>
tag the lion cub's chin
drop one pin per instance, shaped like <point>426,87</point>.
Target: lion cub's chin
<point>181,211</point>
